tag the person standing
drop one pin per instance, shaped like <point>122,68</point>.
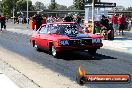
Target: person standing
<point>79,19</point>
<point>68,18</point>
<point>105,23</point>
<point>32,23</point>
<point>129,24</point>
<point>44,20</point>
<point>3,22</point>
<point>25,20</point>
<point>121,21</point>
<point>38,21</point>
<point>114,21</point>
<point>0,18</point>
<point>105,27</point>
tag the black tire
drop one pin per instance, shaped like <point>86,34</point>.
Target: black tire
<point>92,51</point>
<point>36,46</point>
<point>53,51</point>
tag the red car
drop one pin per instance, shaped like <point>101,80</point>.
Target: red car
<point>64,36</point>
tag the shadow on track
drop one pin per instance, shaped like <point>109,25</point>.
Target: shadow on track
<point>81,55</point>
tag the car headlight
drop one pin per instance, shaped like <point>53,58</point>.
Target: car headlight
<point>98,40</point>
<point>63,42</point>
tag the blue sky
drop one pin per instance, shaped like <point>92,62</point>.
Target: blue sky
<point>125,3</point>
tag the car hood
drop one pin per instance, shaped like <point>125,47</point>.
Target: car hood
<point>87,35</point>
<point>94,35</point>
<point>58,37</point>
<point>78,36</point>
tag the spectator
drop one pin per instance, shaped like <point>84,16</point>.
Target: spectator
<point>79,19</point>
<point>25,20</point>
<point>86,30</point>
<point>38,21</point>
<point>114,21</point>
<point>17,20</point>
<point>104,23</point>
<point>0,18</point>
<point>68,18</point>
<point>44,20</point>
<point>3,22</point>
<point>105,27</point>
<point>129,24</point>
<point>50,20</point>
<point>32,24</point>
<point>121,21</point>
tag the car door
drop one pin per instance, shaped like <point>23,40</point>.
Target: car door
<point>43,37</point>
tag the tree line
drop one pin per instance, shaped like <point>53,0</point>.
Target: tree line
<point>7,6</point>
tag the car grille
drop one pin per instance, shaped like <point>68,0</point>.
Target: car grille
<point>81,42</point>
<point>74,42</point>
<point>86,41</point>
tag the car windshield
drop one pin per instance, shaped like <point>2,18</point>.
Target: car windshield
<point>65,29</point>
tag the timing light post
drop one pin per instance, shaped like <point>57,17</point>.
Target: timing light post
<point>27,13</point>
<point>13,14</point>
<point>27,9</point>
<point>92,16</point>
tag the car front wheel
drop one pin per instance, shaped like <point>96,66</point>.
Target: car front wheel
<point>54,52</point>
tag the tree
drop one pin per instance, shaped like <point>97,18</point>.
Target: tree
<point>72,7</point>
<point>53,6</point>
<point>0,6</point>
<point>39,6</point>
<point>120,8</point>
<point>21,5</point>
<point>129,9</point>
<point>61,7</point>
<point>7,7</point>
<point>0,3</point>
<point>79,4</point>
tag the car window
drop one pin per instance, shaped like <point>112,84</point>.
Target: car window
<point>52,28</point>
<point>65,29</point>
<point>43,30</point>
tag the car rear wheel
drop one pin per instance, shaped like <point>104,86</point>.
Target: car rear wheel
<point>92,51</point>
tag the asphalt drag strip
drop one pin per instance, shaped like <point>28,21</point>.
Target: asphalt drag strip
<point>38,65</point>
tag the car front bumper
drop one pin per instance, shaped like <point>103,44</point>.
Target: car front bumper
<point>78,47</point>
